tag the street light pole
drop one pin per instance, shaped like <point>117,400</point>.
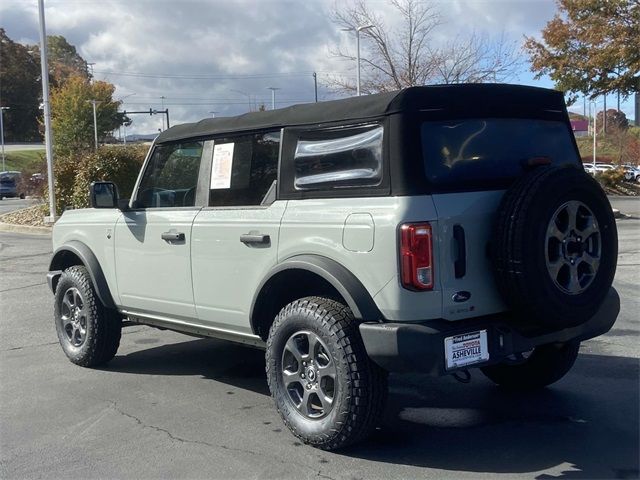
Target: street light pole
<point>273,96</point>
<point>48,138</point>
<point>358,30</point>
<point>2,109</point>
<point>595,129</point>
<point>213,113</point>
<point>95,122</point>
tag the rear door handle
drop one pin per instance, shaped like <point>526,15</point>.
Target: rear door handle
<point>255,238</point>
<point>460,265</point>
<point>173,236</point>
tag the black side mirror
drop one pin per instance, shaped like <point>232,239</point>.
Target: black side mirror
<point>103,195</point>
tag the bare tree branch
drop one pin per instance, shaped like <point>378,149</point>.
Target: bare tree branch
<point>407,56</point>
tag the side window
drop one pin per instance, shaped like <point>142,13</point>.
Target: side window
<point>243,169</point>
<point>339,158</point>
<point>171,176</point>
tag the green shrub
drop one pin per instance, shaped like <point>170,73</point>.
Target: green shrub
<point>611,178</point>
<point>75,172</point>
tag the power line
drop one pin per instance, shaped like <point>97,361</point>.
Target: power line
<point>216,76</point>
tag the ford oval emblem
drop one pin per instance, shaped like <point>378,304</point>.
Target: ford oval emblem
<point>460,297</point>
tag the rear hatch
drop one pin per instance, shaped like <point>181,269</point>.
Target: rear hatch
<point>469,164</point>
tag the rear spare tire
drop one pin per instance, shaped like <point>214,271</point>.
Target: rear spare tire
<point>555,247</point>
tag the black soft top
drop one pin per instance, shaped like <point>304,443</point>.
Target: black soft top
<point>461,99</point>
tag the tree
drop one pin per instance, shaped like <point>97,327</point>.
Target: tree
<point>64,61</point>
<point>19,90</point>
<point>615,120</point>
<point>395,58</point>
<point>72,113</point>
<point>590,47</point>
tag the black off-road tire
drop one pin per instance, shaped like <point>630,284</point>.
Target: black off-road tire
<point>546,365</point>
<point>519,247</point>
<point>361,389</point>
<point>103,326</point>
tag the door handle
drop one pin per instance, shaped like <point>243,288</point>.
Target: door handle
<point>255,238</point>
<point>173,236</point>
<point>460,264</point>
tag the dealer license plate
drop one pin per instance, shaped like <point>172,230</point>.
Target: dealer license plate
<point>466,349</point>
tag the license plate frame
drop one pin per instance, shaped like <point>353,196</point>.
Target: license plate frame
<point>465,349</point>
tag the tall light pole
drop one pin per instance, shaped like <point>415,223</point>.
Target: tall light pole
<point>44,69</point>
<point>2,109</point>
<point>213,113</point>
<point>358,30</point>
<point>273,96</point>
<point>595,128</point>
<point>95,121</point>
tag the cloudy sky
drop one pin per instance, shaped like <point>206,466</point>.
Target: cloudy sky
<point>221,56</point>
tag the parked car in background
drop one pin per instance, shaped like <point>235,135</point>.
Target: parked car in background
<point>603,167</point>
<point>631,173</point>
<point>11,185</point>
<point>589,168</point>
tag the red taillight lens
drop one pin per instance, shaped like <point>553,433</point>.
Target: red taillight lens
<point>416,256</point>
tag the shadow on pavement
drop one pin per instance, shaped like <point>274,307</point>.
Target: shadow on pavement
<point>587,425</point>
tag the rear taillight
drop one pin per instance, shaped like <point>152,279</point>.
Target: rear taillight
<point>416,256</point>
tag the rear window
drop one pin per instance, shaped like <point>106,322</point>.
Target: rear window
<point>8,181</point>
<point>480,153</point>
<point>343,158</point>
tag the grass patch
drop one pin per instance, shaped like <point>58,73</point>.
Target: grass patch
<point>26,161</point>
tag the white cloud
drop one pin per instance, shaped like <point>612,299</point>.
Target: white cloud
<point>199,43</point>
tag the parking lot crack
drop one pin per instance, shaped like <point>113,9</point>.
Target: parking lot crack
<point>160,429</point>
<point>23,287</point>
<point>318,473</point>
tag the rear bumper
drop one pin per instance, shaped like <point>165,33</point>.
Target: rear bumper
<point>419,347</point>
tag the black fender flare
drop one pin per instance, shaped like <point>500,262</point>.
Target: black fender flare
<point>337,275</point>
<point>89,260</point>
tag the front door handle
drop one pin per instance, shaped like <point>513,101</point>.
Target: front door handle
<point>255,238</point>
<point>173,236</point>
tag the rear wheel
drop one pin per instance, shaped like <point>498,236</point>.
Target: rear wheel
<point>327,391</point>
<point>543,366</point>
<point>88,333</point>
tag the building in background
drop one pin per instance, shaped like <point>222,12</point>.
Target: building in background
<point>580,128</point>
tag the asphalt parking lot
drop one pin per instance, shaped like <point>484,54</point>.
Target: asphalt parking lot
<point>171,406</point>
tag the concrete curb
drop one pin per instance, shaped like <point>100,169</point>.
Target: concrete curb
<point>12,227</point>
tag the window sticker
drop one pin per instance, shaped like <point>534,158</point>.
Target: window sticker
<point>222,164</point>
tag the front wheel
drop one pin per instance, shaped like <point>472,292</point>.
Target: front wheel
<point>545,365</point>
<point>88,332</point>
<point>327,391</point>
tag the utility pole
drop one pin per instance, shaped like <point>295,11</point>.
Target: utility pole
<point>213,113</point>
<point>162,103</point>
<point>273,96</point>
<point>2,109</point>
<point>315,85</point>
<point>95,121</point>
<point>48,139</point>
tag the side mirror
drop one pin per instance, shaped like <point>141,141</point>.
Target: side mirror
<point>103,195</point>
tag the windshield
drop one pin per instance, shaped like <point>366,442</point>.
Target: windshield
<point>480,153</point>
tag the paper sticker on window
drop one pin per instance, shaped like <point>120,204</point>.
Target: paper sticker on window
<point>221,168</point>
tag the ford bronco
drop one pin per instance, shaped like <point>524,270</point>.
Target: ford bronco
<point>434,229</point>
